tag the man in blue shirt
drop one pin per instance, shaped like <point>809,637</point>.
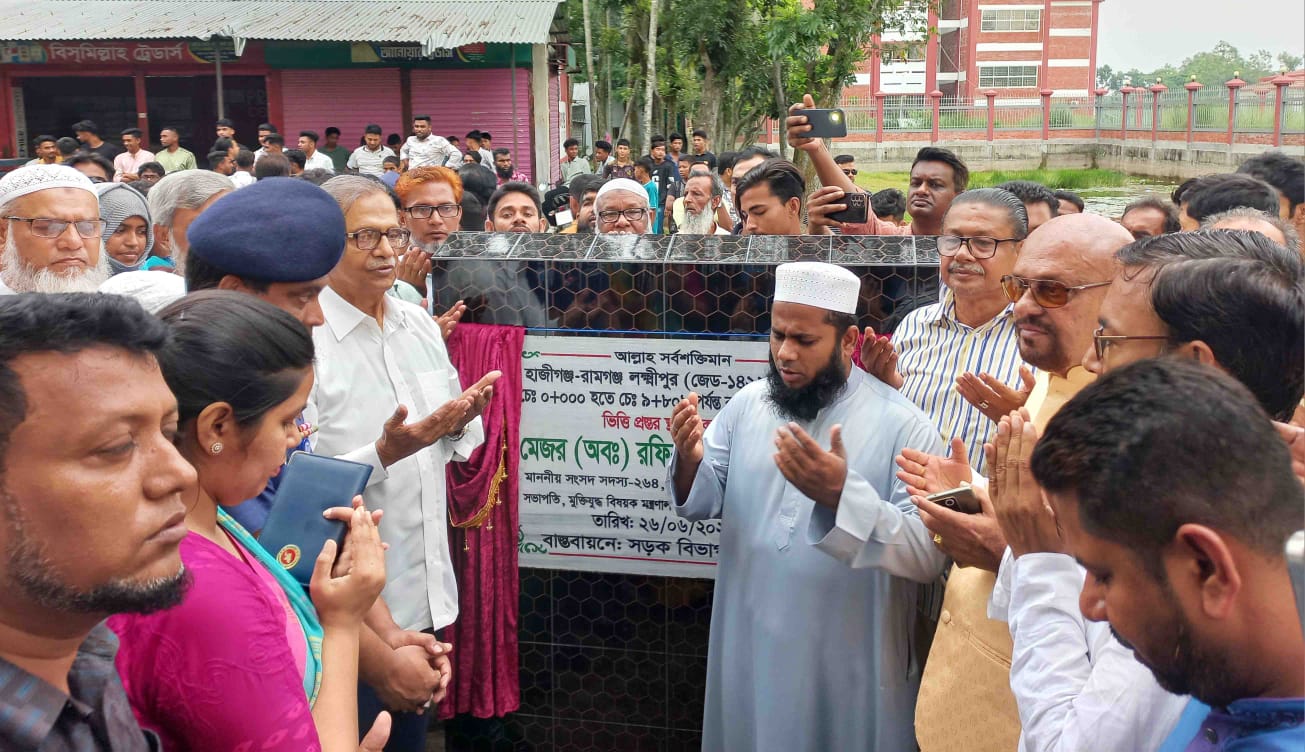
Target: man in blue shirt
<point>1173,488</point>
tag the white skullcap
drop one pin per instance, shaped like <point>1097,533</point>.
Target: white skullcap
<point>817,284</point>
<point>153,290</point>
<point>39,177</point>
<point>622,184</point>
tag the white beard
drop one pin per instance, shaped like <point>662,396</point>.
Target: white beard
<point>698,223</point>
<point>20,276</point>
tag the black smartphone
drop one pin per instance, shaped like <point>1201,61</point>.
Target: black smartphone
<point>958,499</point>
<point>826,123</point>
<point>857,211</point>
<point>295,528</point>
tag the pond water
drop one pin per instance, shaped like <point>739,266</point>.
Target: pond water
<point>1110,201</point>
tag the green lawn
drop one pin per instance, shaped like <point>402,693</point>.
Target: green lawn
<point>1067,179</point>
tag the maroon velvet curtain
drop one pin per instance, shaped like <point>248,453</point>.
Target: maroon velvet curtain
<point>486,681</point>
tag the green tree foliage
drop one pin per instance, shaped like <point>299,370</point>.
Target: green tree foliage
<point>725,65</point>
<point>1212,68</point>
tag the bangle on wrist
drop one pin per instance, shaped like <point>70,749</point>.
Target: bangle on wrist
<point>457,436</point>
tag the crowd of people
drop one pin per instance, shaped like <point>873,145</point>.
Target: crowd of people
<point>1089,445</point>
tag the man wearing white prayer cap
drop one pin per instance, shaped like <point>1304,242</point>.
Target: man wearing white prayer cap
<point>621,208</point>
<point>50,228</point>
<point>807,651</point>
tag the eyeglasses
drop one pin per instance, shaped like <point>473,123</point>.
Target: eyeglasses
<point>633,215</point>
<point>53,228</point>
<point>1047,293</point>
<point>426,211</point>
<point>1100,341</point>
<point>367,238</point>
<point>850,173</point>
<point>980,246</point>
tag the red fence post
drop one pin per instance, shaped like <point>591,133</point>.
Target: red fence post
<point>1156,90</point>
<point>1192,87</point>
<point>991,94</point>
<point>936,96</point>
<point>880,96</point>
<point>1280,82</point>
<point>1046,113</point>
<point>1233,85</point>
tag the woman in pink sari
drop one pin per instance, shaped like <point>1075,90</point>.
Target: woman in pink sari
<point>247,662</point>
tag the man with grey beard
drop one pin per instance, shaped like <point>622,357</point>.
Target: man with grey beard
<point>50,226</point>
<point>703,193</point>
<point>176,201</point>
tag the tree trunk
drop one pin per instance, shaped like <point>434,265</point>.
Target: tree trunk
<point>650,84</point>
<point>597,117</point>
<point>781,103</point>
<point>709,109</point>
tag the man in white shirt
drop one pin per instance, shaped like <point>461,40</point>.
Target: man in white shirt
<point>127,165</point>
<point>315,160</point>
<point>244,174</point>
<point>424,149</point>
<point>369,159</point>
<point>378,360</point>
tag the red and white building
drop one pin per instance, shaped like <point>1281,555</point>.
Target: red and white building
<point>1015,47</point>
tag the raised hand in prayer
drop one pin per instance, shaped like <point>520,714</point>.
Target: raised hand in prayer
<point>928,474</point>
<point>414,267</point>
<point>687,430</point>
<point>817,473</point>
<point>1295,437</point>
<point>993,398</point>
<point>378,735</point>
<point>1027,520</point>
<point>450,318</point>
<point>342,600</point>
<point>399,439</point>
<point>879,358</point>
<point>477,396</point>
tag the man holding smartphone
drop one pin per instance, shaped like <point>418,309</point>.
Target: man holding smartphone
<point>937,176</point>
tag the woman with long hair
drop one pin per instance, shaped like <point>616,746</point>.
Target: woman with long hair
<point>248,661</point>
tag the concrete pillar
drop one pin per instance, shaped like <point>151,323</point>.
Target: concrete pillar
<point>1192,87</point>
<point>1280,83</point>
<point>539,109</point>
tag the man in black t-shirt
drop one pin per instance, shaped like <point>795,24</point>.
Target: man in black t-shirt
<point>88,133</point>
<point>701,144</point>
<point>665,174</point>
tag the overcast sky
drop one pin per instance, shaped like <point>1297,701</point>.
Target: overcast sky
<point>1146,34</point>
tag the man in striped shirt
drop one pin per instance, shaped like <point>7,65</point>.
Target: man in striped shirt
<point>970,331</point>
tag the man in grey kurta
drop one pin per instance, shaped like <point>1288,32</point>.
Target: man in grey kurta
<point>808,652</point>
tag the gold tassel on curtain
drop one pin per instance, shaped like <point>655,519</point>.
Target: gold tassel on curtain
<point>492,498</point>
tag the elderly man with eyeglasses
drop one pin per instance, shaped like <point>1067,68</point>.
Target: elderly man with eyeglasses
<point>382,361</point>
<point>621,208</point>
<point>50,227</point>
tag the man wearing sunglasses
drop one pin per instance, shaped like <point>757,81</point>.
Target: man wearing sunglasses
<point>50,227</point>
<point>1231,299</point>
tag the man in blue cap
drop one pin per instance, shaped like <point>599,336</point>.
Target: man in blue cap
<point>277,240</point>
